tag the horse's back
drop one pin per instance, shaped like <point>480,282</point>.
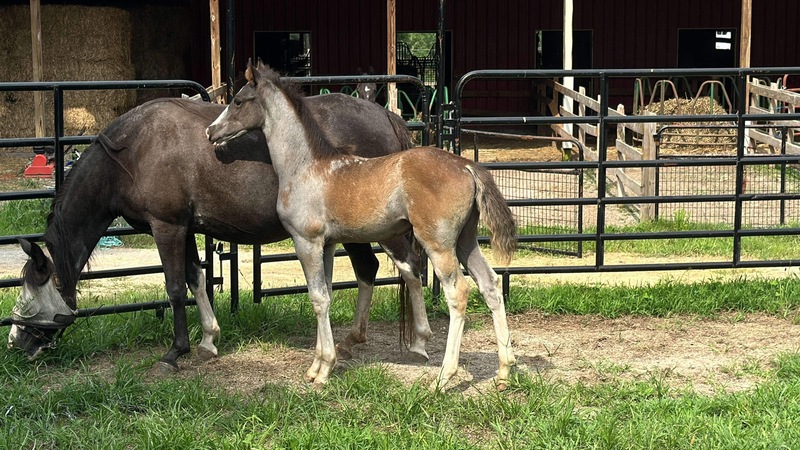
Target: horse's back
<point>359,126</point>
<point>230,192</point>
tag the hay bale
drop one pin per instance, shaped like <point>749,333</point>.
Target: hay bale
<point>79,43</point>
<point>702,140</point>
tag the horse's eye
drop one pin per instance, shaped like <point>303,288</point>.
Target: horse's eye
<point>237,102</point>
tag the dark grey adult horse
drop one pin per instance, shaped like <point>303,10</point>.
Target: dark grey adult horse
<point>154,167</point>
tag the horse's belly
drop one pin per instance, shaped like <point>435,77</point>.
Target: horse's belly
<point>254,222</point>
<point>373,232</point>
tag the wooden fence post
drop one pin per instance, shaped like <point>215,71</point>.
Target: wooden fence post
<point>648,173</point>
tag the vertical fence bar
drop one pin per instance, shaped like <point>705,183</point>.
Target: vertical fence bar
<point>233,264</point>
<point>256,273</point>
<point>58,133</point>
<point>741,100</point>
<point>209,248</point>
<point>602,155</point>
<point>783,175</point>
<point>440,81</point>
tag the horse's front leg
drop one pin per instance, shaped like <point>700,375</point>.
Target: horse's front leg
<point>316,258</point>
<point>208,320</point>
<point>170,243</point>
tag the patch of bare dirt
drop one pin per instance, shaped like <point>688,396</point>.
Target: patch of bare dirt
<point>729,353</point>
<point>707,356</point>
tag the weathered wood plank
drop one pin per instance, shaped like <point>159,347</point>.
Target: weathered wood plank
<point>629,152</point>
<point>756,135</point>
<point>777,94</point>
<point>626,186</point>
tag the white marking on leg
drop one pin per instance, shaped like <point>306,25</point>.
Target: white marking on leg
<point>208,320</point>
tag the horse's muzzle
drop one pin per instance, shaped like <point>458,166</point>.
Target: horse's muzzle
<point>32,340</point>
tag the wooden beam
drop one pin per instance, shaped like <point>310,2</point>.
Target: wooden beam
<point>744,38</point>
<point>391,52</point>
<point>216,66</point>
<point>569,82</point>
<point>38,70</point>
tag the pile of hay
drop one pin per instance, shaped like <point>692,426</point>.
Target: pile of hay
<point>78,43</point>
<point>695,140</point>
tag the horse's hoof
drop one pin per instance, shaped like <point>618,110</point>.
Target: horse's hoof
<point>416,358</point>
<point>206,354</point>
<point>318,387</point>
<point>502,385</point>
<point>343,352</point>
<point>162,369</point>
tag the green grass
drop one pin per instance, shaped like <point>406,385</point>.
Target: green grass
<point>61,402</point>
<point>753,247</point>
<point>23,216</point>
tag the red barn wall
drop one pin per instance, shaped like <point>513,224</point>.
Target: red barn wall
<point>501,34</point>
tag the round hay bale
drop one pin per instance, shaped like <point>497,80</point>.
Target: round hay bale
<point>81,119</point>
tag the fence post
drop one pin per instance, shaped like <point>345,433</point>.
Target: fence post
<point>648,173</point>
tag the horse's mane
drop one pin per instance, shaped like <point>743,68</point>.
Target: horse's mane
<point>56,236</point>
<point>320,146</point>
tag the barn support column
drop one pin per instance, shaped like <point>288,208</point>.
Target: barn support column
<point>569,82</point>
<point>744,56</point>
<point>230,48</point>
<point>440,81</point>
<point>216,67</point>
<point>38,71</point>
<point>391,52</point>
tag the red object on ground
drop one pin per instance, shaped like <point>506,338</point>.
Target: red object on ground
<point>39,168</point>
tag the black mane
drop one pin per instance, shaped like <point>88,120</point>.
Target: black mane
<point>57,238</point>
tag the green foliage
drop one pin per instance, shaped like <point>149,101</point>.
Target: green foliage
<point>419,43</point>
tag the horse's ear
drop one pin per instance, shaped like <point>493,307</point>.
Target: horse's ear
<point>26,245</point>
<point>248,73</point>
<point>34,252</point>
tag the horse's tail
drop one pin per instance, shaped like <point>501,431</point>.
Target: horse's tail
<point>400,130</point>
<point>407,324</point>
<point>495,214</point>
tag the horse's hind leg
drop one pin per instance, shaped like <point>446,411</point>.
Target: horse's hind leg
<point>365,266</point>
<point>469,254</point>
<point>407,261</point>
<point>456,291</point>
<point>196,280</point>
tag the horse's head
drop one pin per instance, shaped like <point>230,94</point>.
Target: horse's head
<point>248,109</point>
<point>367,91</point>
<point>40,312</point>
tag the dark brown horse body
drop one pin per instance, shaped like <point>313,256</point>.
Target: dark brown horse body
<point>154,167</point>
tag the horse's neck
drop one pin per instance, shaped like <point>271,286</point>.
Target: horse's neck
<point>71,239</point>
<point>289,146</point>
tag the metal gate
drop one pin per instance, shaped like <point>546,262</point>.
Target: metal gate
<point>58,141</point>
